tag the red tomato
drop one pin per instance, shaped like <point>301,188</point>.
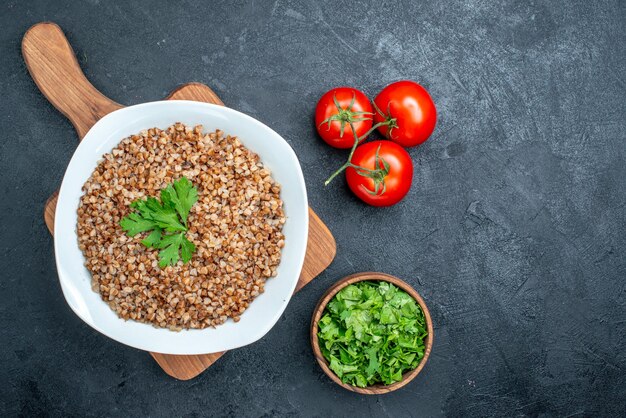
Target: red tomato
<point>355,107</point>
<point>393,172</point>
<point>410,111</point>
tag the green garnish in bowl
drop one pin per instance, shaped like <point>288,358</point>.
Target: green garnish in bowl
<point>166,220</point>
<point>372,332</point>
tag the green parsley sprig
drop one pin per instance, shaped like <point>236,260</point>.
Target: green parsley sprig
<point>372,332</point>
<point>166,221</point>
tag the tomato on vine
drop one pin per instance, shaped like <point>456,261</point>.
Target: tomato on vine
<point>405,113</point>
<point>339,111</point>
<point>380,173</point>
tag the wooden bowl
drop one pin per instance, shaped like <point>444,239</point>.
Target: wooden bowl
<point>376,389</point>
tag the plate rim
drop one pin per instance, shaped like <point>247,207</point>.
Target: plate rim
<point>150,346</point>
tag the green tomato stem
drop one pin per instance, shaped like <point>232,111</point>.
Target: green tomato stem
<point>349,162</point>
<point>357,140</point>
<point>373,128</point>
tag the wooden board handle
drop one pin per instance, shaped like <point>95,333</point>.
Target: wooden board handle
<point>53,65</point>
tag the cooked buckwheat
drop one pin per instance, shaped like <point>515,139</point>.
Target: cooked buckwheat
<point>235,225</point>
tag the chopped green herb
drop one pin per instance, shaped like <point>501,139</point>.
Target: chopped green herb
<point>372,332</point>
<point>167,221</point>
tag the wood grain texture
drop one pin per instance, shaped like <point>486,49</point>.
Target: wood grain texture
<point>53,65</point>
<point>319,310</point>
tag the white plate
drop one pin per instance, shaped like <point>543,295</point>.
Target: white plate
<point>264,311</point>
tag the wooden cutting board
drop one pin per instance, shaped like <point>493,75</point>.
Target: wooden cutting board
<point>53,65</point>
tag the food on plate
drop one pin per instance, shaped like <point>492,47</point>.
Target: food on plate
<point>372,332</point>
<point>381,173</point>
<point>405,113</point>
<point>229,241</point>
<point>339,111</point>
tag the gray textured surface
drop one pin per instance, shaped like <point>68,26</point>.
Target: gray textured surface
<point>513,231</point>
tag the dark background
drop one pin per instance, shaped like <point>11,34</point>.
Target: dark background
<point>513,231</point>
